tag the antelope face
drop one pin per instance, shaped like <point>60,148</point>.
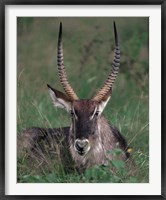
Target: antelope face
<point>85,113</point>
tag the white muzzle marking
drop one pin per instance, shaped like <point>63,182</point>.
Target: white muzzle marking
<point>82,146</point>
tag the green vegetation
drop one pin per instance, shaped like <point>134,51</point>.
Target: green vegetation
<point>88,52</point>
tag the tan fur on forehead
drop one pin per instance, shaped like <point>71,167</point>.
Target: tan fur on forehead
<point>85,104</point>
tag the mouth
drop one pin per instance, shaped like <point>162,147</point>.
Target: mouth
<point>82,152</point>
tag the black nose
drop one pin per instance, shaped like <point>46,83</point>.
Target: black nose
<point>80,149</point>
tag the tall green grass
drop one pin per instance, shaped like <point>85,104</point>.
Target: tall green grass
<point>88,53</point>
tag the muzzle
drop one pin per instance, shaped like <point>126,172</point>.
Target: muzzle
<point>82,146</point>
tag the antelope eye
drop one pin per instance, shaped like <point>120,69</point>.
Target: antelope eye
<point>71,112</point>
<point>97,113</point>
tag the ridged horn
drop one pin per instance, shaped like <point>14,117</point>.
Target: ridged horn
<point>114,71</point>
<point>61,69</point>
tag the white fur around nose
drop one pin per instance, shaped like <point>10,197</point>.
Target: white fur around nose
<point>82,143</point>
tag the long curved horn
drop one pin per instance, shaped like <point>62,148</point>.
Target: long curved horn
<point>114,71</point>
<point>61,69</point>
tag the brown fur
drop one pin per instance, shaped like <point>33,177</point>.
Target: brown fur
<point>106,138</point>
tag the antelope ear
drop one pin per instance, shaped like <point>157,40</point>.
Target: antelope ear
<point>59,99</point>
<point>104,101</point>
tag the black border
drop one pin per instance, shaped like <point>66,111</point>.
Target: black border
<point>3,3</point>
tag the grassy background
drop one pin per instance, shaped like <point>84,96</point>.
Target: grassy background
<point>88,54</point>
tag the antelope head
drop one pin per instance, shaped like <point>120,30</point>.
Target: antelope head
<point>85,113</point>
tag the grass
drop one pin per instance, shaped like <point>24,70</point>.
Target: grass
<point>88,52</point>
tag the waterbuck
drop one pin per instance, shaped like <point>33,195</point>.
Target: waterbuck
<point>90,136</point>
